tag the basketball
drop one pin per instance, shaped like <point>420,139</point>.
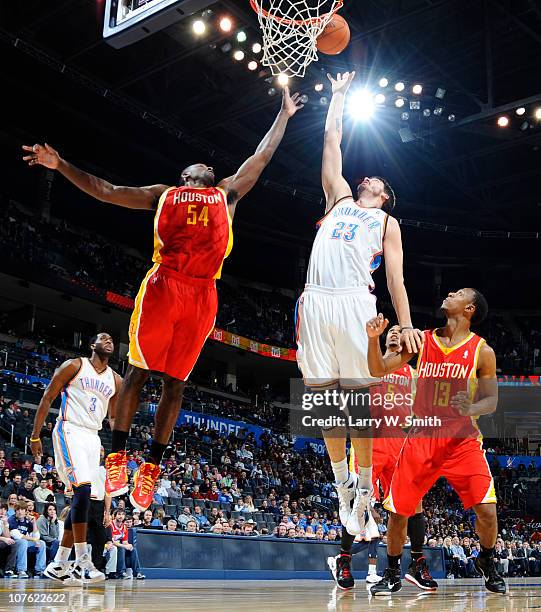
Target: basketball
<point>335,37</point>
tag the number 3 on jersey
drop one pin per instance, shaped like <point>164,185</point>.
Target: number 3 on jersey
<point>348,235</point>
<point>194,219</point>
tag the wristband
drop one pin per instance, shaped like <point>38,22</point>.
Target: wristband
<point>35,439</point>
<point>406,327</point>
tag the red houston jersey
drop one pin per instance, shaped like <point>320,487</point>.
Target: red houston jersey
<point>444,371</point>
<point>392,399</point>
<point>192,231</point>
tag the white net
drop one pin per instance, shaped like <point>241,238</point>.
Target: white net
<point>290,29</point>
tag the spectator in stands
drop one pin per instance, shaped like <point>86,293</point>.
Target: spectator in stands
<point>5,478</point>
<point>136,517</point>
<point>460,557</point>
<point>535,560</point>
<point>28,490</point>
<point>157,498</point>
<point>126,554</point>
<point>37,464</point>
<point>49,464</point>
<point>6,541</point>
<point>42,493</point>
<point>522,558</point>
<point>217,528</point>
<point>159,519</point>
<point>174,491</point>
<point>31,509</point>
<point>451,564</point>
<point>281,531</point>
<point>21,528</point>
<point>132,464</point>
<point>203,521</point>
<point>192,526</point>
<point>172,525</point>
<point>500,556</point>
<point>12,504</point>
<point>15,486</point>
<point>185,517</point>
<point>248,529</point>
<point>196,493</point>
<point>48,530</point>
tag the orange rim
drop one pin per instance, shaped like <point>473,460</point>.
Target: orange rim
<point>287,21</point>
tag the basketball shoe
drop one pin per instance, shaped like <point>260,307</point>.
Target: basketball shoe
<point>84,571</point>
<point>419,574</point>
<point>144,480</point>
<point>360,514</point>
<point>116,474</point>
<point>389,584</point>
<point>346,495</point>
<point>340,567</point>
<point>493,581</point>
<point>61,572</point>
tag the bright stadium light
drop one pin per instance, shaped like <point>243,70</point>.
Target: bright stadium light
<point>399,86</point>
<point>399,102</point>
<point>361,105</point>
<point>426,112</point>
<point>520,111</point>
<point>417,89</point>
<point>318,86</point>
<point>199,27</point>
<point>537,113</point>
<point>256,48</point>
<point>503,121</point>
<point>226,24</point>
<point>238,55</point>
<point>379,98</point>
<point>252,65</point>
<point>405,116</point>
<point>241,36</point>
<point>383,82</point>
<point>283,79</point>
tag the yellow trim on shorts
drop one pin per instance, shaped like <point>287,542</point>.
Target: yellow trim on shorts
<point>135,355</point>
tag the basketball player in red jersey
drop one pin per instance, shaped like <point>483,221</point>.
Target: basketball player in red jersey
<point>456,383</point>
<point>397,389</point>
<point>175,309</point>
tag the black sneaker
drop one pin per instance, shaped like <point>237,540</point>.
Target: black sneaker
<point>340,567</point>
<point>389,584</point>
<point>493,581</point>
<point>419,575</point>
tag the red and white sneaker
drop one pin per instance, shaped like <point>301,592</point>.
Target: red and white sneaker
<point>116,474</point>
<point>144,480</point>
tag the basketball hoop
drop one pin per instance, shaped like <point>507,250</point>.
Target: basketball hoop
<point>290,30</point>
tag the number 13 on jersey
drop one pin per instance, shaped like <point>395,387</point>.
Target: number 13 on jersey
<point>195,216</point>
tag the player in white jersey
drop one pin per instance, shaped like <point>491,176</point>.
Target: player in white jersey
<point>353,237</point>
<point>89,389</point>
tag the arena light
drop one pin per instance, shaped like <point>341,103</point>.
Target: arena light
<point>226,47</point>
<point>283,79</point>
<point>383,82</point>
<point>426,112</point>
<point>303,99</point>
<point>503,121</point>
<point>271,91</point>
<point>226,24</point>
<point>238,55</point>
<point>324,100</point>
<point>451,117</point>
<point>537,113</point>
<point>415,104</point>
<point>399,86</point>
<point>417,89</point>
<point>252,65</point>
<point>520,111</point>
<point>199,27</point>
<point>379,98</point>
<point>525,126</point>
<point>399,102</point>
<point>241,36</point>
<point>440,93</point>
<point>438,111</point>
<point>405,116</point>
<point>256,48</point>
<point>361,105</point>
<point>318,86</point>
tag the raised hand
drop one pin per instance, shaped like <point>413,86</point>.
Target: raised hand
<point>291,103</point>
<point>412,339</point>
<point>43,155</point>
<point>341,83</point>
<point>376,326</point>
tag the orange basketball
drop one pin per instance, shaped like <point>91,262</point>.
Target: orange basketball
<point>335,37</point>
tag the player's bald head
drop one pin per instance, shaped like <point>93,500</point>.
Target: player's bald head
<point>197,175</point>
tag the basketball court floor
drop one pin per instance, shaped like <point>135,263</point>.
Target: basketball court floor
<point>255,596</point>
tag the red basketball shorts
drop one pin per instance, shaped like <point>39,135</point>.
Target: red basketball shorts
<point>385,453</point>
<point>423,460</point>
<point>173,316</point>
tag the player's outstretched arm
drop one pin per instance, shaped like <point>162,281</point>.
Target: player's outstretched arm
<point>111,410</point>
<point>248,174</point>
<point>394,269</point>
<point>487,390</point>
<point>143,198</point>
<point>378,364</point>
<point>334,184</point>
<point>60,379</point>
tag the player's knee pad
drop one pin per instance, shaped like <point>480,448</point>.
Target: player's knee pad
<point>80,504</point>
<point>358,408</point>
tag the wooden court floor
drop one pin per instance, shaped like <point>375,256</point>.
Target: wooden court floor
<point>280,595</point>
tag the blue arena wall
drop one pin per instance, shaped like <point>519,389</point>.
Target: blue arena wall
<point>212,557</point>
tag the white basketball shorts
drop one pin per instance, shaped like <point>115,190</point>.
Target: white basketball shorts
<point>332,345</point>
<point>76,454</point>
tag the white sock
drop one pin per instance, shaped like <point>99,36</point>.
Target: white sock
<point>80,549</point>
<point>365,478</point>
<point>371,569</point>
<point>62,554</point>
<point>340,470</point>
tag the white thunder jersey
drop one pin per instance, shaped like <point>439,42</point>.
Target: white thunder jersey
<point>348,246</point>
<point>337,300</point>
<point>85,399</point>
